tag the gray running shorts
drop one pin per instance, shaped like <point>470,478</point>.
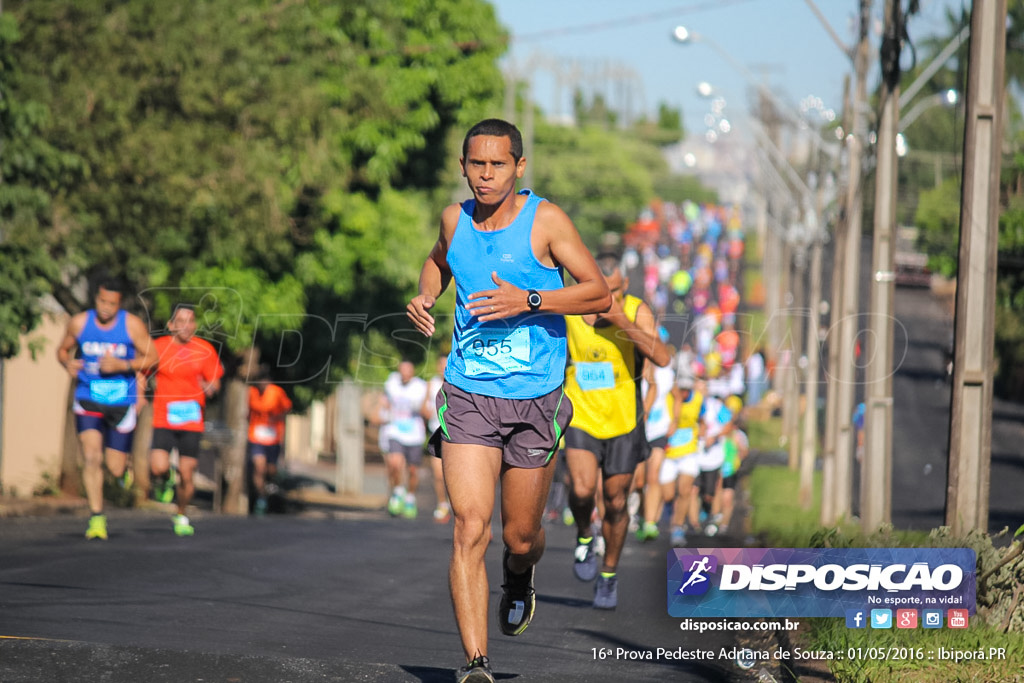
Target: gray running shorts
<point>618,455</point>
<point>526,430</point>
<point>413,454</point>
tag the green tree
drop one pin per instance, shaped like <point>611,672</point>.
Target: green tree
<point>278,163</point>
<point>31,172</point>
<point>666,129</point>
<point>601,178</point>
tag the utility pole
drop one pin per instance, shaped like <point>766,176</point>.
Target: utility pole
<point>970,432</point>
<point>836,503</point>
<point>791,408</point>
<point>876,479</point>
<point>842,227</point>
<point>809,440</point>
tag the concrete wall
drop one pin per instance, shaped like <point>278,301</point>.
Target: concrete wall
<point>33,412</point>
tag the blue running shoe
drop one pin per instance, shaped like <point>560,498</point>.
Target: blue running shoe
<point>585,559</point>
<point>606,592</point>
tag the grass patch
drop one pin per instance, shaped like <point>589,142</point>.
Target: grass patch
<point>780,521</point>
<point>764,435</point>
<point>919,653</point>
<point>776,516</point>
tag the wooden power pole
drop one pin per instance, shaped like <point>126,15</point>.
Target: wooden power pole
<point>970,432</point>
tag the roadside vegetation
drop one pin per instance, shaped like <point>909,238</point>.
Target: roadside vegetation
<point>777,520</point>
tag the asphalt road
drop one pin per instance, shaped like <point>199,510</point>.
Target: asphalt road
<point>921,417</point>
<point>329,596</point>
<point>921,405</point>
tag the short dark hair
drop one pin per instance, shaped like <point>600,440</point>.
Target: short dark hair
<point>498,128</point>
<point>182,307</point>
<point>112,284</point>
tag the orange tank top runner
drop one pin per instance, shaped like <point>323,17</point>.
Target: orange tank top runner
<point>267,410</point>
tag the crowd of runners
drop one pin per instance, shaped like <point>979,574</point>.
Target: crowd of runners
<point>610,401</point>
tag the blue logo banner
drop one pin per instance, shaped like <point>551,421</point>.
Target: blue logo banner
<point>818,582</point>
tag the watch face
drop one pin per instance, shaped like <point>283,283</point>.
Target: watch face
<point>533,300</point>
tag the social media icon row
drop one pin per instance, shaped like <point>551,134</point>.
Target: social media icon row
<point>905,618</point>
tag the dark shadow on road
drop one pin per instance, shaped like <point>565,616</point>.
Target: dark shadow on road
<point>568,602</point>
<point>1008,459</point>
<point>433,674</point>
<point>922,374</point>
<point>921,344</point>
<point>1004,415</point>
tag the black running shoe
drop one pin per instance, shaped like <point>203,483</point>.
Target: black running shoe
<point>477,671</point>
<point>518,599</point>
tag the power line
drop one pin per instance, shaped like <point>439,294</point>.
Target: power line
<point>625,21</point>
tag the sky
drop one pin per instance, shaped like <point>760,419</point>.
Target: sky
<point>626,50</point>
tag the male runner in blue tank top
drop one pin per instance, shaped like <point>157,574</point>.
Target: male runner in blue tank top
<point>112,346</point>
<point>502,408</point>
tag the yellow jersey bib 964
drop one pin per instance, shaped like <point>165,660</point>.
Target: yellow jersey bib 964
<point>603,379</point>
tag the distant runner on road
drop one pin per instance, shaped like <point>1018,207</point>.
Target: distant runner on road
<point>189,372</point>
<point>103,350</point>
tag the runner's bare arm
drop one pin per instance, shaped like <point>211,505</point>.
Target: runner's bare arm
<point>652,389</point>
<point>146,355</point>
<point>435,276</point>
<point>560,244</point>
<point>68,343</point>
<point>643,332</point>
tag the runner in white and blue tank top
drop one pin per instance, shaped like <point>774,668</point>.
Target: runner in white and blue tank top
<point>111,346</point>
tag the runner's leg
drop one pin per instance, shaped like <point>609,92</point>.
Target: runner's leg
<point>583,472</point>
<point>523,494</point>
<point>616,518</point>
<point>470,473</point>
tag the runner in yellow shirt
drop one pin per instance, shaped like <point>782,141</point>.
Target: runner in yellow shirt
<point>607,352</point>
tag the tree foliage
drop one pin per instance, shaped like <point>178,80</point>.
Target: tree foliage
<point>278,163</point>
<point>31,172</point>
<point>600,178</point>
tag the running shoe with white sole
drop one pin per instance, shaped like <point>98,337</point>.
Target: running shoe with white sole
<point>442,513</point>
<point>477,671</point>
<point>518,599</point>
<point>409,509</point>
<point>396,503</point>
<point>182,526</point>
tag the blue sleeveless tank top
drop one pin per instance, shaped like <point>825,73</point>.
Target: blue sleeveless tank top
<point>95,342</point>
<point>520,357</point>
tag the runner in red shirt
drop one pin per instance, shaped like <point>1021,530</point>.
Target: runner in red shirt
<point>268,405</point>
<point>189,371</point>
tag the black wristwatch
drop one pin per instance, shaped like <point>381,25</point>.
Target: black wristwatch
<point>533,299</point>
